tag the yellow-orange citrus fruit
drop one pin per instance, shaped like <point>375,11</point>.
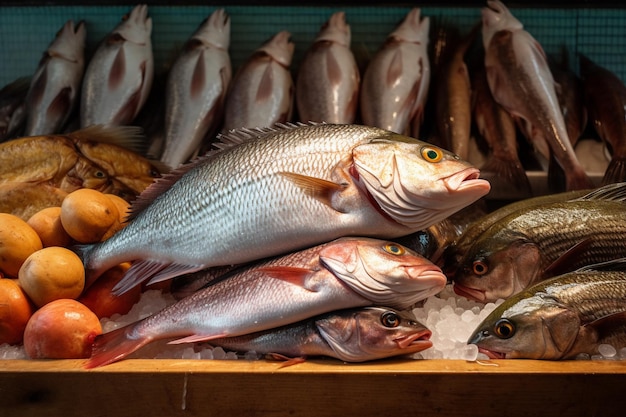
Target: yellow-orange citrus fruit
<point>88,214</point>
<point>62,329</point>
<point>15,311</point>
<point>52,273</point>
<point>47,224</point>
<point>17,242</point>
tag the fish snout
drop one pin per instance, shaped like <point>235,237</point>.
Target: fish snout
<point>467,178</point>
<point>430,276</point>
<point>469,293</point>
<point>419,340</point>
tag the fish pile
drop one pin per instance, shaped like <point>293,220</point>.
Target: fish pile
<point>315,223</point>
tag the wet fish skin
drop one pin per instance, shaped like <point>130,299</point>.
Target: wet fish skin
<point>196,89</point>
<point>328,79</point>
<point>55,86</point>
<point>353,180</point>
<point>528,246</point>
<point>605,97</point>
<point>262,91</point>
<point>520,80</point>
<point>345,273</point>
<point>119,76</point>
<point>559,318</point>
<point>569,91</point>
<point>352,335</point>
<point>395,82</point>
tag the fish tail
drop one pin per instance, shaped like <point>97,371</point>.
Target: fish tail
<point>615,172</point>
<point>113,346</point>
<point>510,171</point>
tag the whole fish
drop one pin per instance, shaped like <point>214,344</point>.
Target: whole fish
<point>351,335</point>
<point>453,110</point>
<point>344,273</point>
<point>12,107</point>
<point>118,77</point>
<point>55,86</point>
<point>262,91</point>
<point>395,82</point>
<point>541,241</point>
<point>605,97</point>
<point>23,199</point>
<point>560,318</point>
<point>327,84</point>
<point>520,80</point>
<point>285,188</point>
<point>497,128</point>
<point>196,89</point>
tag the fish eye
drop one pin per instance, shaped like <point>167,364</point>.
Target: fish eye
<point>480,267</point>
<point>154,173</point>
<point>432,154</point>
<point>504,329</point>
<point>394,249</point>
<point>100,174</point>
<point>390,319</point>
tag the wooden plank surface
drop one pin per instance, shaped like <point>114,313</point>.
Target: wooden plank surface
<point>317,388</point>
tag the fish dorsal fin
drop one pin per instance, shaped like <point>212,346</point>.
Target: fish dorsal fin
<point>236,137</point>
<point>605,326</point>
<point>128,137</point>
<point>610,192</point>
<point>293,275</point>
<point>563,263</point>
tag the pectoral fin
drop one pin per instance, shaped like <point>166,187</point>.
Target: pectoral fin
<point>292,275</point>
<point>61,105</point>
<point>607,325</point>
<point>563,263</point>
<point>321,189</point>
<point>195,338</point>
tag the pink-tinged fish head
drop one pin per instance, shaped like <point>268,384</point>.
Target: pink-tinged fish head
<point>370,333</point>
<point>530,326</point>
<point>497,266</point>
<point>69,42</point>
<point>136,27</point>
<point>412,29</point>
<point>215,30</point>
<point>497,17</point>
<point>415,183</point>
<point>383,272</point>
<point>336,30</point>
<point>280,48</point>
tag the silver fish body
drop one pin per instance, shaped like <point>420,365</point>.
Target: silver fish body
<point>196,89</point>
<point>118,77</point>
<point>352,335</point>
<point>55,86</point>
<point>520,80</point>
<point>560,318</point>
<point>286,188</point>
<point>327,84</point>
<point>395,82</point>
<point>345,273</point>
<point>262,91</point>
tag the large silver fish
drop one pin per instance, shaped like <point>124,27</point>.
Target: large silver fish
<point>560,318</point>
<point>55,86</point>
<point>352,335</point>
<point>271,191</point>
<point>196,89</point>
<point>119,76</point>
<point>327,85</point>
<point>262,91</point>
<point>520,80</point>
<point>395,82</point>
<point>344,273</point>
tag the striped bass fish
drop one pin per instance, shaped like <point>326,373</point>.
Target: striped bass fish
<point>560,318</point>
<point>351,335</point>
<point>344,273</point>
<point>540,241</point>
<point>270,191</point>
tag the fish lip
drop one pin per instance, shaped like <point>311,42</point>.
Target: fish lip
<point>492,354</point>
<point>420,340</point>
<point>469,292</point>
<point>466,178</point>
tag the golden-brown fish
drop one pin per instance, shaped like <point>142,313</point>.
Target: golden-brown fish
<point>23,199</point>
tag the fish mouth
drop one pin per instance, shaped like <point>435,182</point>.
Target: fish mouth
<point>415,342</point>
<point>494,6</point>
<point>469,293</point>
<point>492,354</point>
<point>467,178</point>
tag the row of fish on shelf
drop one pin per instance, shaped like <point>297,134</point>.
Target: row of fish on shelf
<point>505,90</point>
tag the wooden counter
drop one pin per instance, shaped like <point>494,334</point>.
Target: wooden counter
<point>155,388</point>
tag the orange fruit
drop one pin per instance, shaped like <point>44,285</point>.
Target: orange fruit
<point>47,224</point>
<point>99,298</point>
<point>62,329</point>
<point>17,242</point>
<point>88,214</point>
<point>15,310</point>
<point>52,273</point>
